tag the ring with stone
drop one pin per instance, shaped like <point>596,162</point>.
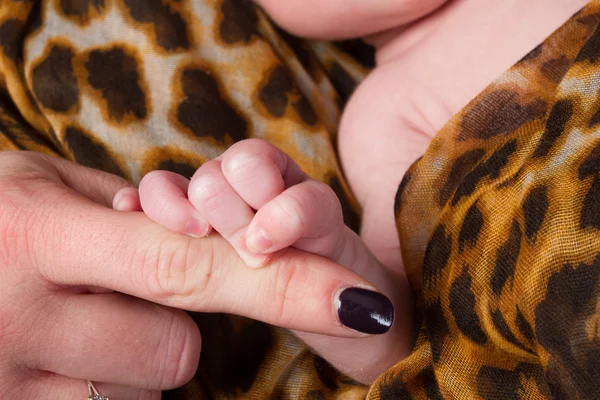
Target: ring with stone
<point>94,395</point>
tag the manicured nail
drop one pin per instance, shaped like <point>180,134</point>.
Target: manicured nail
<point>258,242</point>
<point>365,311</point>
<point>196,229</point>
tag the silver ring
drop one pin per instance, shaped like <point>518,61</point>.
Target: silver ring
<point>94,395</point>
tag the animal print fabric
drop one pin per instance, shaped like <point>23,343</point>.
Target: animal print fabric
<point>503,250</point>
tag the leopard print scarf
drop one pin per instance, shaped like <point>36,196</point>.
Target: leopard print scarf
<point>505,262</point>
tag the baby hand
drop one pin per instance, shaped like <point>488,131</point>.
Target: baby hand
<point>261,202</point>
<point>256,197</point>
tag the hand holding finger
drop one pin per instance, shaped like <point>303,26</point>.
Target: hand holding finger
<point>58,336</point>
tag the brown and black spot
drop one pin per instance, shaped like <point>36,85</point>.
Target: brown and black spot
<point>232,356</point>
<point>595,119</point>
<point>301,50</point>
<point>429,382</point>
<point>436,257</point>
<point>15,128</point>
<point>205,111</point>
<point>17,131</point>
<point>53,80</point>
<point>461,167</point>
<point>591,164</point>
<point>533,53</point>
<point>462,306</point>
<point>555,126</point>
<point>171,158</point>
<point>589,19</point>
<point>81,11</point>
<point>88,151</point>
<point>561,321</point>
<point>315,395</point>
<point>35,20</point>
<point>238,21</point>
<point>491,168</point>
<point>535,208</point>
<point>393,388</point>
<point>342,82</point>
<point>117,74</point>
<point>581,382</point>
<point>278,91</point>
<point>400,192</point>
<point>495,383</point>
<point>11,32</point>
<point>169,27</point>
<point>506,259</point>
<point>511,180</point>
<point>502,327</point>
<point>419,329</point>
<point>305,111</point>
<point>326,373</point>
<point>556,68</point>
<point>274,93</point>
<point>590,210</point>
<point>499,113</point>
<point>359,50</point>
<point>524,327</point>
<point>180,168</point>
<point>590,52</point>
<point>472,224</point>
<point>351,216</point>
<point>437,328</point>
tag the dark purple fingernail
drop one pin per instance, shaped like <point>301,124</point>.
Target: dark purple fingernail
<point>365,311</point>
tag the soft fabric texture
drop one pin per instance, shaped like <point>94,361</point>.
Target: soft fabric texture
<point>499,221</point>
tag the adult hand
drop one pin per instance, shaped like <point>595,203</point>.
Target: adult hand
<point>62,247</point>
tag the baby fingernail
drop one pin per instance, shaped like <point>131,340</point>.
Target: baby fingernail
<point>255,261</point>
<point>365,311</point>
<point>196,229</point>
<point>119,202</point>
<point>257,242</point>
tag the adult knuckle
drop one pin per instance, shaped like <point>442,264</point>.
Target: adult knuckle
<point>152,261</point>
<point>201,285</point>
<point>21,221</point>
<point>287,293</point>
<point>179,363</point>
<point>174,269</point>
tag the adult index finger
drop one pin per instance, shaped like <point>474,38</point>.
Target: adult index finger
<point>83,243</point>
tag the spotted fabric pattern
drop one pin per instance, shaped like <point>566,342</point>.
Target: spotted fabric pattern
<point>505,264</point>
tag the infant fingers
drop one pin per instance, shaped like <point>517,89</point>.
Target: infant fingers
<point>127,199</point>
<point>163,197</point>
<point>293,209</point>
<point>259,171</point>
<point>309,211</point>
<point>224,209</point>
